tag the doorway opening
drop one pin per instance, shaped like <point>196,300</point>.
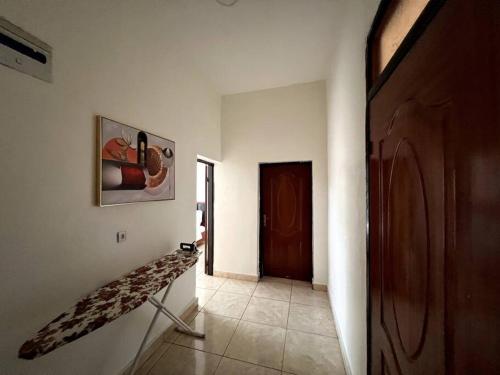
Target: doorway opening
<point>205,214</point>
<point>285,234</point>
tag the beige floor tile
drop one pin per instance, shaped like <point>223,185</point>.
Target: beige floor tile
<point>228,304</point>
<point>230,366</point>
<point>267,311</point>
<point>307,296</point>
<point>204,296</point>
<point>257,343</point>
<point>218,331</point>
<point>179,360</point>
<point>238,286</point>
<point>309,354</point>
<point>271,279</point>
<point>311,319</point>
<point>171,334</point>
<point>273,290</point>
<point>259,339</point>
<point>209,282</point>
<point>153,358</point>
<point>305,284</point>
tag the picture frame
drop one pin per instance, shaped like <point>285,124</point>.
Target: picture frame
<point>133,165</point>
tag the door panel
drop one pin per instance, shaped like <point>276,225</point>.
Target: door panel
<point>286,220</point>
<point>412,239</point>
<point>434,192</point>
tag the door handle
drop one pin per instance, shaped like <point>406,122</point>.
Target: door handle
<point>265,219</point>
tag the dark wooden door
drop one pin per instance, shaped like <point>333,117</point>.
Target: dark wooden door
<point>286,220</point>
<point>434,193</point>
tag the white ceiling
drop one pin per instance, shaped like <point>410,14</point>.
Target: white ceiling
<point>256,44</point>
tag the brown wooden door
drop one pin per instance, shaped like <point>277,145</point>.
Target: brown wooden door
<point>286,220</point>
<point>409,258</point>
<point>435,200</point>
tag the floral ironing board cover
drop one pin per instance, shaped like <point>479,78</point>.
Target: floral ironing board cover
<point>109,303</point>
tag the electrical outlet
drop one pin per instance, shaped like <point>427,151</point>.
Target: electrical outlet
<point>121,236</point>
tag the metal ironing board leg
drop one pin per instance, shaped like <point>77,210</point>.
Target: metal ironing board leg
<point>160,308</point>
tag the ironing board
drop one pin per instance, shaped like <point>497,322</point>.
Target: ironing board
<point>114,300</point>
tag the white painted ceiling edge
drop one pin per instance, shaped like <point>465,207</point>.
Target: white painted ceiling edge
<point>257,44</point>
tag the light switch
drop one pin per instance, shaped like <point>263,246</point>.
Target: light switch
<point>121,236</point>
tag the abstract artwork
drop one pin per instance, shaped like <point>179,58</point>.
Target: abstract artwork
<point>133,165</point>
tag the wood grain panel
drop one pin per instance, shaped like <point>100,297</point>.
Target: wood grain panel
<point>435,200</point>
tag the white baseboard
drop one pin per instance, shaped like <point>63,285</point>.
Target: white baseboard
<point>320,287</point>
<point>236,276</point>
<point>343,351</point>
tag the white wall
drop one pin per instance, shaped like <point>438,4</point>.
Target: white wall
<point>113,58</point>
<point>276,125</point>
<point>347,184</point>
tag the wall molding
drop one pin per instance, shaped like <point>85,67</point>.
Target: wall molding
<point>236,276</point>
<point>159,340</point>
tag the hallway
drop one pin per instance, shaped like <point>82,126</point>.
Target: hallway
<point>350,144</point>
<point>275,326</point>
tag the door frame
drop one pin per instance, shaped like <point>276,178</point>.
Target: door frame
<point>260,254</point>
<point>209,201</point>
<point>373,85</point>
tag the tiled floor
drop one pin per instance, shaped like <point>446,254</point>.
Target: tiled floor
<point>273,327</point>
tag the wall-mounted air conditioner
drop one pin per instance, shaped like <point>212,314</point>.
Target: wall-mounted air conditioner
<point>23,52</point>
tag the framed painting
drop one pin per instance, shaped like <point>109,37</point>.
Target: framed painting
<point>133,165</point>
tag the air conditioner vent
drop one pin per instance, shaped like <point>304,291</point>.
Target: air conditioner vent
<point>23,52</point>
